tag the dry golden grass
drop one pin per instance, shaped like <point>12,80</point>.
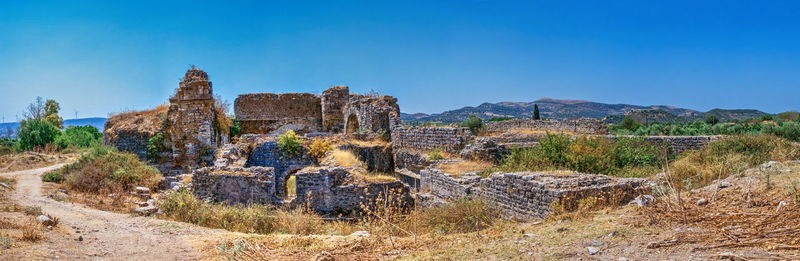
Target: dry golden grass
<point>462,167</point>
<point>31,232</point>
<point>146,121</point>
<point>344,158</point>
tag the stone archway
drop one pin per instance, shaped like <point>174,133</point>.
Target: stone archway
<point>352,124</point>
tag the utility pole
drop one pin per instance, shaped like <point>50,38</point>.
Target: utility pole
<point>76,114</point>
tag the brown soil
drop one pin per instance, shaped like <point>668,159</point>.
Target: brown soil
<point>89,234</point>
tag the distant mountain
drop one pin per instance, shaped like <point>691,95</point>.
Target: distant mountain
<point>569,109</point>
<point>96,122</point>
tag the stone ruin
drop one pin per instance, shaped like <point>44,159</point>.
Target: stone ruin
<point>335,111</point>
<point>252,170</point>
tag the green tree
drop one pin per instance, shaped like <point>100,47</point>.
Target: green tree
<point>711,119</point>
<point>36,133</point>
<point>51,109</point>
<point>536,115</point>
<point>629,124</point>
<point>474,124</point>
<point>79,136</point>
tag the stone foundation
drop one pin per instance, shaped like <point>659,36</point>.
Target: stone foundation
<point>235,185</point>
<point>448,139</point>
<point>378,158</point>
<point>325,191</point>
<point>577,126</point>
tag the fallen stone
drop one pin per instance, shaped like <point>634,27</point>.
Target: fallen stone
<point>723,184</point>
<point>142,190</point>
<point>780,206</point>
<point>530,235</point>
<point>5,185</point>
<point>44,220</point>
<point>643,200</point>
<point>146,210</point>
<point>702,202</point>
<point>63,191</point>
<point>593,250</point>
<point>597,243</point>
<point>360,233</point>
<point>612,234</point>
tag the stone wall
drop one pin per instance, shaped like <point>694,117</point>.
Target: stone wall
<point>267,154</point>
<point>582,126</point>
<point>190,121</point>
<point>677,144</point>
<point>235,185</point>
<point>130,131</point>
<point>334,100</point>
<point>263,113</point>
<point>409,160</point>
<point>527,195</point>
<point>324,191</point>
<point>448,139</point>
<point>370,114</point>
<point>378,158</point>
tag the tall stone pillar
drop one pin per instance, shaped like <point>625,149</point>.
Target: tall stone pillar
<point>190,121</point>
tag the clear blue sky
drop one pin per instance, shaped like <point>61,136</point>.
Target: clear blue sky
<point>105,56</point>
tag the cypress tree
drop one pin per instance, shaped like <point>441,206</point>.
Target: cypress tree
<point>536,112</point>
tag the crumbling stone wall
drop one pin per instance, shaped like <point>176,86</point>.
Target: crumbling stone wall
<point>190,121</point>
<point>527,195</point>
<point>677,144</point>
<point>413,161</point>
<point>267,154</point>
<point>325,191</point>
<point>334,100</point>
<point>253,185</point>
<point>130,131</point>
<point>582,126</point>
<point>448,139</point>
<point>263,113</point>
<point>378,158</point>
<point>372,114</point>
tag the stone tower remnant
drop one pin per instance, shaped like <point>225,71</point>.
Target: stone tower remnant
<point>190,121</point>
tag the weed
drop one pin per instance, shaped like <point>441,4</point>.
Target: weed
<point>5,243</point>
<point>318,148</point>
<point>33,211</point>
<point>290,143</point>
<point>31,232</point>
<point>435,154</point>
<point>53,176</point>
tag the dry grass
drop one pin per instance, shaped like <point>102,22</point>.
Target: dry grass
<point>462,167</point>
<point>31,160</point>
<point>753,213</point>
<point>31,232</point>
<point>146,121</point>
<point>343,158</point>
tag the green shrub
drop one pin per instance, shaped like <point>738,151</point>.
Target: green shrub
<point>105,169</point>
<point>36,133</point>
<point>474,124</point>
<point>7,146</point>
<point>787,130</point>
<point>494,119</point>
<point>625,157</point>
<point>79,137</point>
<point>155,146</point>
<point>435,154</point>
<point>629,124</point>
<point>53,176</point>
<point>236,128</point>
<point>290,144</point>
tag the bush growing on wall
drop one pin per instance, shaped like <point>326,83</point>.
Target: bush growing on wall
<point>155,145</point>
<point>290,143</point>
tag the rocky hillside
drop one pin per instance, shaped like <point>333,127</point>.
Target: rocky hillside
<point>566,109</point>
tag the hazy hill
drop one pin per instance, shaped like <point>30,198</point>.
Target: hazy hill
<point>567,109</point>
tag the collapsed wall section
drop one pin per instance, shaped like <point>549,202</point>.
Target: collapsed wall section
<point>263,113</point>
<point>326,191</point>
<point>235,185</point>
<point>334,100</point>
<point>130,131</point>
<point>371,114</point>
<point>448,139</point>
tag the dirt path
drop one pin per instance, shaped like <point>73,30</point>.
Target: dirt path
<point>105,235</point>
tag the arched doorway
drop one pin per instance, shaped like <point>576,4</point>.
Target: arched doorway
<point>352,124</point>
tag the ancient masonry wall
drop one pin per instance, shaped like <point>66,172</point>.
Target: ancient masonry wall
<point>677,144</point>
<point>190,121</point>
<point>371,114</point>
<point>235,185</point>
<point>378,158</point>
<point>582,126</point>
<point>262,113</point>
<point>334,101</point>
<point>323,191</point>
<point>448,139</point>
<point>131,141</point>
<point>267,154</point>
<point>530,195</point>
<point>409,160</point>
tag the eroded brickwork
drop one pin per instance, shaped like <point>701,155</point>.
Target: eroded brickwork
<point>263,113</point>
<point>449,139</point>
<point>334,101</point>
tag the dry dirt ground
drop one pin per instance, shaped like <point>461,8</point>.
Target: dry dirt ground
<point>89,234</point>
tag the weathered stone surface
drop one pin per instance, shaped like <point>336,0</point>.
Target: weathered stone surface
<point>254,185</point>
<point>581,126</point>
<point>371,114</point>
<point>267,154</point>
<point>378,158</point>
<point>527,195</point>
<point>448,139</point>
<point>334,100</point>
<point>325,190</point>
<point>263,113</point>
<point>190,122</point>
